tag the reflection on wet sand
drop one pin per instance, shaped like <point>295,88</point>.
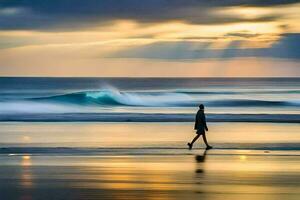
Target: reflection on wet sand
<point>26,180</point>
<point>206,175</point>
<point>200,159</point>
<point>26,172</point>
<point>152,165</point>
<point>154,134</point>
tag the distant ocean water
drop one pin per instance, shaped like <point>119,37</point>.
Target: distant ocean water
<point>149,99</point>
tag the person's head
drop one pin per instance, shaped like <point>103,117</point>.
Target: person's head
<point>201,107</point>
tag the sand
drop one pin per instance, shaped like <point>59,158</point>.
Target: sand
<point>39,167</point>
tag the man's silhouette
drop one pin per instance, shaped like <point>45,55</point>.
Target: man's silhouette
<point>200,126</point>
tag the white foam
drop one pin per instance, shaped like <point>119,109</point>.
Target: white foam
<point>141,99</point>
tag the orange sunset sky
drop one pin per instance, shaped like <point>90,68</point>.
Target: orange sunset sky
<point>150,38</point>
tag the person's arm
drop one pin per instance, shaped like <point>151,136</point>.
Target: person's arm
<point>196,122</point>
<point>204,122</point>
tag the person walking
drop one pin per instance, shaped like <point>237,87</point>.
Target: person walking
<point>201,127</point>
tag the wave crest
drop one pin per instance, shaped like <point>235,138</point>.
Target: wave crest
<point>114,97</point>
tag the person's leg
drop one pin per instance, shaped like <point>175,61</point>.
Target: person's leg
<point>205,141</point>
<point>195,139</point>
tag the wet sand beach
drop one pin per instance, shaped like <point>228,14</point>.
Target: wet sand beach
<point>227,174</point>
<point>148,161</point>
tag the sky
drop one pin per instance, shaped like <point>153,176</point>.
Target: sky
<point>151,38</point>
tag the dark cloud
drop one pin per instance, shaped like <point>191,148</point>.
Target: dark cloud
<point>243,34</point>
<point>68,14</point>
<point>286,48</point>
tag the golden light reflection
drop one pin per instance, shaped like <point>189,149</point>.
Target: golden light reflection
<point>109,134</point>
<point>26,157</point>
<point>129,173</point>
<point>26,174</point>
<point>26,138</point>
<point>243,158</point>
<point>26,160</point>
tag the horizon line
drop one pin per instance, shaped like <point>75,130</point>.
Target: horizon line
<point>137,77</point>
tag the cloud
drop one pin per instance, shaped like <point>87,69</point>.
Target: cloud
<point>286,48</point>
<point>244,34</point>
<point>11,11</point>
<point>65,14</point>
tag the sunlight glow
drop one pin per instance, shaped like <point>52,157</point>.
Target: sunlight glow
<point>243,158</point>
<point>26,157</point>
<point>246,12</point>
<point>26,138</point>
<point>92,50</point>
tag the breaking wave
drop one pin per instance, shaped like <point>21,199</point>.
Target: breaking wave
<point>88,101</point>
<point>113,97</point>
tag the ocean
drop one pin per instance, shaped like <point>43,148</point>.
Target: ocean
<point>149,99</point>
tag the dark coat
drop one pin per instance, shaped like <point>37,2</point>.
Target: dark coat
<point>200,122</point>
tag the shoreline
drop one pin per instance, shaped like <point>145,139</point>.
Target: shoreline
<point>14,152</point>
<point>151,117</point>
